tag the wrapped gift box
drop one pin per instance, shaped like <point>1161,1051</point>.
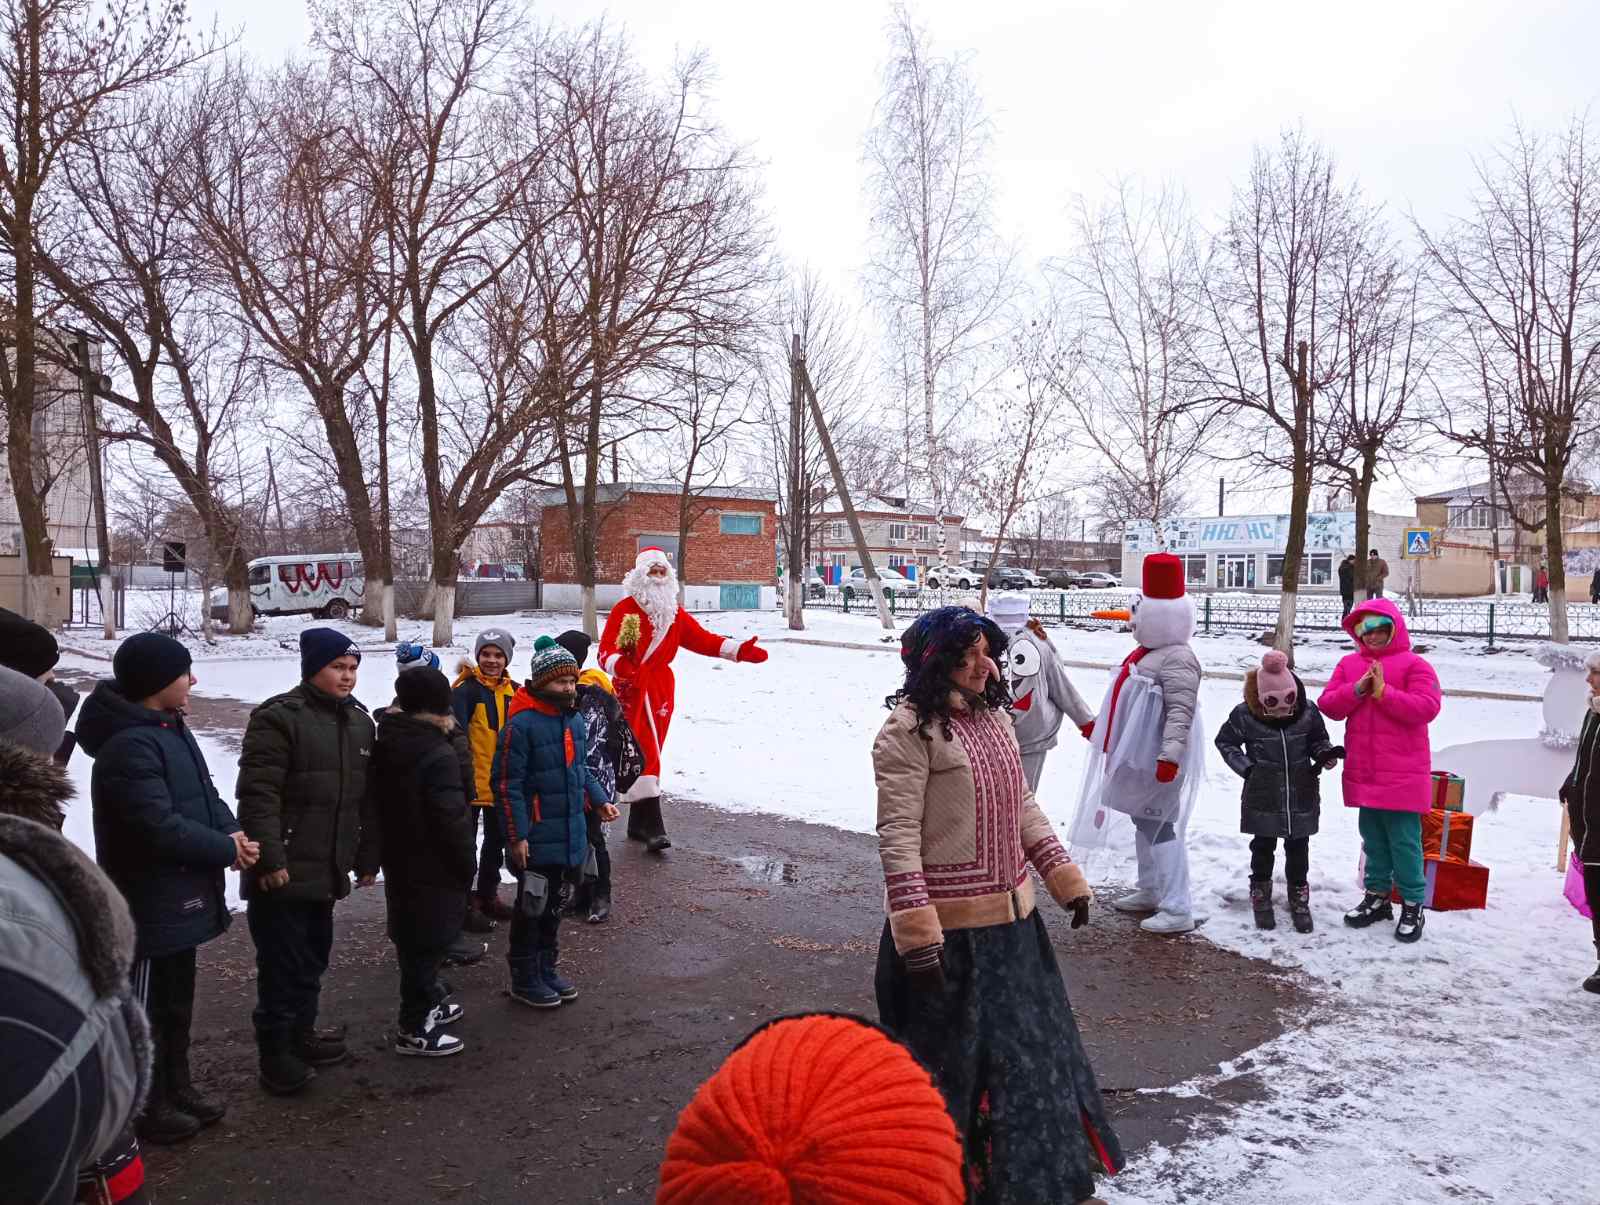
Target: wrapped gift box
<point>1452,886</point>
<point>1449,791</point>
<point>1447,836</point>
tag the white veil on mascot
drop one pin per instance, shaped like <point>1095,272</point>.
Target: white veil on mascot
<point>1147,757</point>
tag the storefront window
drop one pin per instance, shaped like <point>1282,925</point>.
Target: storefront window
<point>1316,569</point>
<point>1194,570</point>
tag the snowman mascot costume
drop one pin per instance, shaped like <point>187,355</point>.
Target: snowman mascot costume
<point>1147,757</point>
<point>1041,693</point>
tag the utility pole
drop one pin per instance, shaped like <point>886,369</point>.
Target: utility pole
<point>1222,486</point>
<point>89,383</point>
<point>874,582</point>
<point>794,595</point>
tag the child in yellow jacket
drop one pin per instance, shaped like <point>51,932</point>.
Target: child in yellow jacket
<point>479,698</point>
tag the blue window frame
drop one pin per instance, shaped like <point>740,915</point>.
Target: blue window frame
<point>740,525</point>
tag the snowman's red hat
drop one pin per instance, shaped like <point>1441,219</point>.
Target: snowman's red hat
<point>1163,576</point>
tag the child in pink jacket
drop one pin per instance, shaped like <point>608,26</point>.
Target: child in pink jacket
<point>1387,695</point>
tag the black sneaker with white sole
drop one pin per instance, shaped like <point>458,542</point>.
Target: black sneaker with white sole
<point>1411,921</point>
<point>446,1014</point>
<point>430,1041</point>
<point>1372,909</point>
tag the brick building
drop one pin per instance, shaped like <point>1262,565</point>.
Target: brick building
<point>730,559</point>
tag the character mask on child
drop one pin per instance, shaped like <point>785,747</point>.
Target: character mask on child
<point>1280,703</point>
<point>1021,668</point>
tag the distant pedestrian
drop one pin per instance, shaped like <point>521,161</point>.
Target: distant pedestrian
<point>1277,742</point>
<point>1347,583</point>
<point>1541,585</point>
<point>302,792</point>
<point>421,836</point>
<point>481,694</point>
<point>1387,696</point>
<point>164,836</point>
<point>1377,573</point>
<point>1594,587</point>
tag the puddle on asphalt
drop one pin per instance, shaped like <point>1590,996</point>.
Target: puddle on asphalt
<point>768,870</point>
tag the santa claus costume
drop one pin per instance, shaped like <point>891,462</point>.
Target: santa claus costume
<point>643,634</point>
<point>1147,754</point>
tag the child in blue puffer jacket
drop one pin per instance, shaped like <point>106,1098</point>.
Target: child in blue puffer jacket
<point>542,789</point>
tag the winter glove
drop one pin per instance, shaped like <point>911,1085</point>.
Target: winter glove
<point>1331,758</point>
<point>1166,771</point>
<point>626,667</point>
<point>750,652</point>
<point>1087,730</point>
<point>1080,912</point>
<point>925,970</point>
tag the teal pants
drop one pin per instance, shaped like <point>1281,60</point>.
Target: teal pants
<point>1393,845</point>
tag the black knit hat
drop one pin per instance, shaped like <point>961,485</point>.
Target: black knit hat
<point>423,689</point>
<point>25,646</point>
<point>577,643</point>
<point>319,647</point>
<point>148,663</point>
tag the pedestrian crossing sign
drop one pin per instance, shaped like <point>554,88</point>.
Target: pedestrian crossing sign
<point>1419,541</point>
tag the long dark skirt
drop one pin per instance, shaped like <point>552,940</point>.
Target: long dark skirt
<point>1004,1049</point>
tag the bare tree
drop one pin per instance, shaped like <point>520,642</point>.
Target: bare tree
<point>291,235</point>
<point>1273,346</point>
<point>1372,417</point>
<point>709,413</point>
<point>1026,435</point>
<point>1130,287</point>
<point>1518,278</point>
<point>938,273</point>
<point>63,62</point>
<point>654,247</point>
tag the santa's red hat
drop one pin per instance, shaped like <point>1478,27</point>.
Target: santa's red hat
<point>1163,576</point>
<point>651,556</point>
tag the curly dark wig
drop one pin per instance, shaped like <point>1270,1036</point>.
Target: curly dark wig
<point>931,649</point>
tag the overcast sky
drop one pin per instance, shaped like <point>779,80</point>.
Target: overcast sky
<point>1404,92</point>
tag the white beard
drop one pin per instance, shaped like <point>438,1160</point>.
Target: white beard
<point>657,597</point>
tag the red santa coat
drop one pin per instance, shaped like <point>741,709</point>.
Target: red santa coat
<point>648,695</point>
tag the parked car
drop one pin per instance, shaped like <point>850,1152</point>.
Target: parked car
<point>1063,579</point>
<point>1098,580</point>
<point>1035,581</point>
<point>953,577</point>
<point>855,583</point>
<point>324,585</point>
<point>815,588</point>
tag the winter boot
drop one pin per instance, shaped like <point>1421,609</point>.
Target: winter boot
<point>1411,921</point>
<point>464,951</point>
<point>1138,901</point>
<point>582,897</point>
<point>163,1122</point>
<point>283,1072</point>
<point>600,908</point>
<point>528,985</point>
<point>429,1040</point>
<point>321,1047</point>
<point>646,814</point>
<point>1300,907</point>
<point>1592,983</point>
<point>547,972</point>
<point>1261,903</point>
<point>476,921</point>
<point>181,1091</point>
<point>493,906</point>
<point>1372,909</point>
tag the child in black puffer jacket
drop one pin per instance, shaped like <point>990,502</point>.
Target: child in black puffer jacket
<point>1277,742</point>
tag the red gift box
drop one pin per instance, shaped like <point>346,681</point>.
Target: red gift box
<point>1452,886</point>
<point>1447,836</point>
<point>1449,791</point>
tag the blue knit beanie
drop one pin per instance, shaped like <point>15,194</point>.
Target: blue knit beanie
<point>320,646</point>
<point>550,661</point>
<point>415,656</point>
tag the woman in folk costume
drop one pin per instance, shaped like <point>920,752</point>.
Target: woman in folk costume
<point>1147,753</point>
<point>643,634</point>
<point>966,975</point>
<point>1041,692</point>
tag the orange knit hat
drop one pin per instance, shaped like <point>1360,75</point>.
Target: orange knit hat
<point>815,1110</point>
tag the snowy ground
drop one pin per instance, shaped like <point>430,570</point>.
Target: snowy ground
<point>1455,1070</point>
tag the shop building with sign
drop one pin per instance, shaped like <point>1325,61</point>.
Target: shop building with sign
<point>1245,553</point>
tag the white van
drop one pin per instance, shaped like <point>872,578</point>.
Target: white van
<point>327,585</point>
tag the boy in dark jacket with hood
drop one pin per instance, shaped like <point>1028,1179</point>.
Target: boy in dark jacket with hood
<point>614,759</point>
<point>542,787</point>
<point>422,838</point>
<point>164,836</point>
<point>1277,742</point>
<point>302,793</point>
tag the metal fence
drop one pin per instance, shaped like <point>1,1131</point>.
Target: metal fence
<point>1494,622</point>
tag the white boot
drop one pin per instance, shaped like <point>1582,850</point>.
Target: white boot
<point>1171,861</point>
<point>1168,922</point>
<point>1148,897</point>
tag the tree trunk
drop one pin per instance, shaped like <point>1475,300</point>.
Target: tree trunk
<point>1363,503</point>
<point>236,576</point>
<point>444,613</point>
<point>347,461</point>
<point>446,569</point>
<point>683,548</point>
<point>1293,554</point>
<point>1555,548</point>
<point>32,512</point>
